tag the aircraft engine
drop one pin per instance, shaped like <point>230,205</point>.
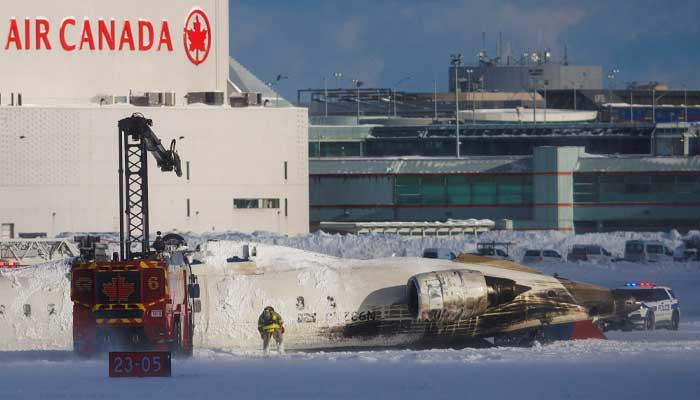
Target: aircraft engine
<point>457,294</point>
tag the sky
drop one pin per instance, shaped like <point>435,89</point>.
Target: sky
<point>381,42</point>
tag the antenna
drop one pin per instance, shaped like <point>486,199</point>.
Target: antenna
<point>566,54</point>
<point>483,41</point>
<point>500,46</point>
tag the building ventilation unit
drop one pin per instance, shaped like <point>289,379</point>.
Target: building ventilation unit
<point>245,99</point>
<point>208,98</point>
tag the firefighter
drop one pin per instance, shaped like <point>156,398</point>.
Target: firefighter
<point>158,244</point>
<point>271,325</point>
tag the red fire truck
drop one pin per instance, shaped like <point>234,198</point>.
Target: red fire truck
<point>143,297</point>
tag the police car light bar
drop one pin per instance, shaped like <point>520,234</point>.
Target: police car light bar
<point>640,284</point>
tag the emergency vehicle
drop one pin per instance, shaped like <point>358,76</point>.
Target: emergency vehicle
<point>659,307</point>
<point>144,296</point>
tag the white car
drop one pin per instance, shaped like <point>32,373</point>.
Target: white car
<point>493,253</point>
<point>589,253</point>
<point>536,256</point>
<point>659,306</point>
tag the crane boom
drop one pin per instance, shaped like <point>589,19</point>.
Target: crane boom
<point>136,140</point>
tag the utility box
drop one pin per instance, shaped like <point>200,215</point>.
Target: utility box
<point>208,98</point>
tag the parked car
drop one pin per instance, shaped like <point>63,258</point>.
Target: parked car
<point>494,250</point>
<point>442,254</point>
<point>543,255</point>
<point>684,255</point>
<point>589,252</point>
<point>647,251</point>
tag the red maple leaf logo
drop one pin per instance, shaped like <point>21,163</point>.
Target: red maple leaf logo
<point>118,290</point>
<point>197,36</point>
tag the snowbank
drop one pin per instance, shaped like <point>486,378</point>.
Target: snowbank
<point>378,245</point>
<point>317,256</point>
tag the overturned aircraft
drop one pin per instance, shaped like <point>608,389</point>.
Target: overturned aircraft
<point>398,302</point>
<point>332,303</point>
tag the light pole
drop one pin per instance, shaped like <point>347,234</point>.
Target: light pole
<point>338,76</point>
<point>393,90</point>
<point>534,77</point>
<point>544,86</point>
<point>631,105</point>
<point>325,96</point>
<point>278,78</point>
<point>456,61</point>
<point>611,84</point>
<point>469,91</point>
<point>653,105</point>
<point>685,102</point>
<point>434,99</point>
<point>358,83</point>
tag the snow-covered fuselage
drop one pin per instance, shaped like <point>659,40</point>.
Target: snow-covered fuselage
<point>329,302</point>
<point>366,305</point>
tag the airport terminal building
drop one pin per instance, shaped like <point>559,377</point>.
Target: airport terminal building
<point>71,70</point>
<point>621,173</point>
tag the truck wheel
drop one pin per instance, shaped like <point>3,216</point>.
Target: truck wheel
<point>675,321</point>
<point>189,350</point>
<point>650,322</point>
<point>176,345</point>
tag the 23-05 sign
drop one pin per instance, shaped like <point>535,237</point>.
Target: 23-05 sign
<point>139,364</point>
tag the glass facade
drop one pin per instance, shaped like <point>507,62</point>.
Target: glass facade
<point>636,188</point>
<point>443,190</point>
<point>336,149</point>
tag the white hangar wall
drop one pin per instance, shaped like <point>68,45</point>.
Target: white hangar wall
<point>58,170</point>
<point>60,166</point>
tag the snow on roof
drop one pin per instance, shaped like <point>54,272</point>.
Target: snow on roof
<point>638,163</point>
<point>422,224</point>
<point>245,82</point>
<point>421,165</point>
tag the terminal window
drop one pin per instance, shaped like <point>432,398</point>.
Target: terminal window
<point>463,190</point>
<point>256,203</point>
<point>631,188</point>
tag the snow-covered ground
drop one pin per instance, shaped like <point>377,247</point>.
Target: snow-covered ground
<point>632,365</point>
<point>661,365</point>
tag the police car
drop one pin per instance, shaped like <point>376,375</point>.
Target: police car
<point>659,306</point>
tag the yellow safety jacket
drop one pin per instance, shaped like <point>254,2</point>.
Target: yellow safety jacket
<point>269,324</point>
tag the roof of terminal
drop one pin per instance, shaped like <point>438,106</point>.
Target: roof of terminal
<point>494,165</point>
<point>418,165</point>
<point>637,164</point>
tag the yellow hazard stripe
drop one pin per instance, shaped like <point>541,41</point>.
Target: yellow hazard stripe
<point>156,302</point>
<point>113,321</point>
<point>119,266</point>
<point>135,306</point>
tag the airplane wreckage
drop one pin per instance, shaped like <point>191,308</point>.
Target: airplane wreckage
<point>331,303</point>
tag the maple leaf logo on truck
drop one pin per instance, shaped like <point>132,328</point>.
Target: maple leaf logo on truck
<point>118,289</point>
<point>197,36</point>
